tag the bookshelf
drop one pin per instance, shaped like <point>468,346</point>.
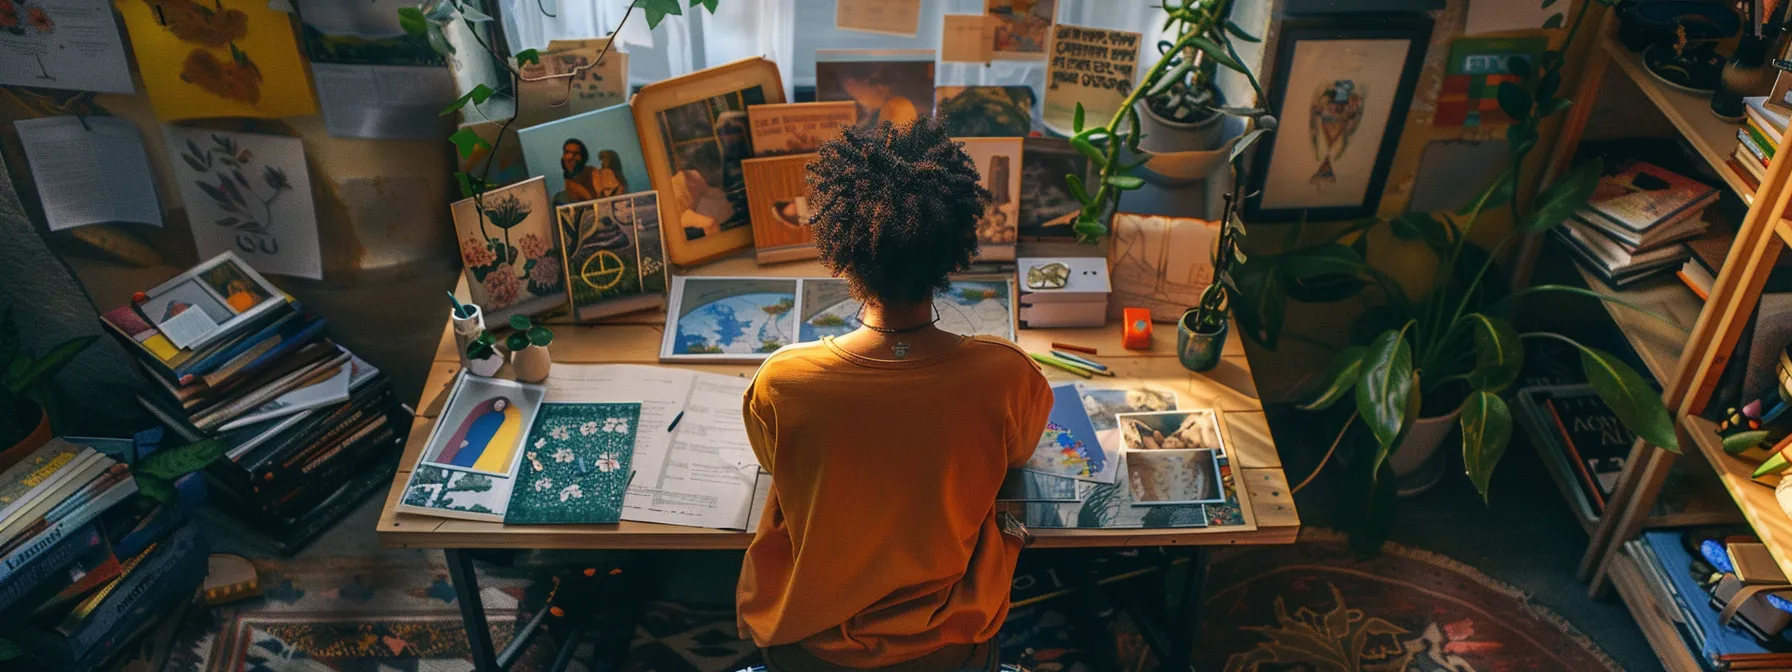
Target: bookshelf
<point>1659,344</point>
<point>1713,138</point>
<point>1651,616</point>
<point>1759,507</point>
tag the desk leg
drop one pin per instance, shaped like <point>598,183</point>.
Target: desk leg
<point>1188,614</point>
<point>472,610</point>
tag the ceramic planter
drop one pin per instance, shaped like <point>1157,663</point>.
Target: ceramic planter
<point>466,329</point>
<point>1199,351</point>
<point>1416,462</point>
<point>1163,135</point>
<point>532,364</point>
<point>487,366</point>
<point>30,443</point>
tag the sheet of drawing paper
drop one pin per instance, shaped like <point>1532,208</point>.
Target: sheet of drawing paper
<point>62,44</point>
<point>374,79</point>
<point>225,58</point>
<point>889,17</point>
<point>92,174</point>
<point>250,194</point>
<point>967,38</point>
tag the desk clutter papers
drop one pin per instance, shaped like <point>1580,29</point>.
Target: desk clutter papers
<point>597,444</point>
<point>89,170</point>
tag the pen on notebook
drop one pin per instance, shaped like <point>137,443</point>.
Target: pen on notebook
<point>1098,366</point>
<point>675,420</point>
<point>1061,365</point>
<point>1074,348</point>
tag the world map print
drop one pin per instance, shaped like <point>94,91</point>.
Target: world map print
<point>735,322</point>
<point>969,307</point>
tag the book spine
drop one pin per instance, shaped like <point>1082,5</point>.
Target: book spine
<point>170,573</point>
<point>268,455</point>
<point>291,538</point>
<point>285,346</point>
<point>22,582</point>
<point>191,494</point>
<point>44,541</point>
<point>285,466</point>
<point>1754,133</point>
<point>199,366</point>
<point>1748,142</point>
<point>332,467</point>
<point>1580,463</point>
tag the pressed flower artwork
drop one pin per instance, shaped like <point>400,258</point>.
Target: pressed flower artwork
<point>218,58</point>
<point>578,468</point>
<point>512,257</point>
<point>249,194</point>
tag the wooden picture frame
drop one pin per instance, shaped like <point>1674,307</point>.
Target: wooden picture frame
<point>694,132</point>
<point>1331,160</point>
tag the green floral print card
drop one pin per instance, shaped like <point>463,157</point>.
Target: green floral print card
<point>575,464</point>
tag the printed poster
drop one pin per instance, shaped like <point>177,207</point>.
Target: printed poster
<point>250,194</point>
<point>968,38</point>
<point>226,58</point>
<point>1092,66</point>
<point>893,85</point>
<point>1023,27</point>
<point>1477,67</point>
<point>62,44</point>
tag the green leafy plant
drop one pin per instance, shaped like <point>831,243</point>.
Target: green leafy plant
<point>156,473</point>
<point>528,333</point>
<point>1456,347</point>
<point>483,346</point>
<point>29,383</point>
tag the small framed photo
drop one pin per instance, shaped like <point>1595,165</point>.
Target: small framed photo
<point>694,133</point>
<point>1172,430</point>
<point>1342,106</point>
<point>209,301</point>
<point>1162,477</point>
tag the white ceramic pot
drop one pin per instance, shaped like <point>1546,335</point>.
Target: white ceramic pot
<point>1164,136</point>
<point>1416,463</point>
<point>486,367</point>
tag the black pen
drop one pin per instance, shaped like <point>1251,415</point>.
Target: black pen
<point>675,420</point>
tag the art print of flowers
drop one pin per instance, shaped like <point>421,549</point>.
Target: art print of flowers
<point>209,28</point>
<point>509,250</point>
<point>235,193</point>
<point>584,471</point>
<point>250,194</point>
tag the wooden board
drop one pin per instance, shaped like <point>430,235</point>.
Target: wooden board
<point>635,339</point>
<point>1650,617</point>
<point>1713,138</point>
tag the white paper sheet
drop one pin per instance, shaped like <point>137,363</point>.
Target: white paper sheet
<point>250,194</point>
<point>188,327</point>
<point>703,473</point>
<point>383,101</point>
<point>89,175</point>
<point>64,44</point>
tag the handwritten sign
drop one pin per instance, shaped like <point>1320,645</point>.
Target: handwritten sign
<point>1092,66</point>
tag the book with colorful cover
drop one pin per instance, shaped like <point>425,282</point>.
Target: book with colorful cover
<point>29,549</point>
<point>1757,130</point>
<point>1070,447</point>
<point>32,486</point>
<point>162,576</point>
<point>1644,195</point>
<point>1597,442</point>
<point>19,588</point>
<point>576,464</point>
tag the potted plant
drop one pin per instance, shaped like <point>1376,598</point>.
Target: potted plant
<point>483,358</point>
<point>529,349</point>
<point>28,393</point>
<point>1417,367</point>
<point>1201,332</point>
<point>1180,110</point>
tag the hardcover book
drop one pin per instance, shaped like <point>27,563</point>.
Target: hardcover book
<point>1597,443</point>
<point>576,464</point>
<point>1645,195</point>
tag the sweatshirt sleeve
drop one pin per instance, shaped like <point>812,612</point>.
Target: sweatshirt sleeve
<point>1030,414</point>
<point>762,423</point>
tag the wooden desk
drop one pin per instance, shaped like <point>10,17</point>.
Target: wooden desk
<point>635,339</point>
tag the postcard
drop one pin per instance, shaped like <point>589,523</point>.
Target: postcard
<point>1047,208</point>
<point>1027,486</point>
<point>249,194</point>
<point>998,162</point>
<point>1023,27</point>
<point>615,262</point>
<point>987,111</point>
<point>778,198</point>
<point>226,58</point>
<point>1088,66</point>
<point>511,254</point>
<point>568,80</point>
<point>1069,447</point>
<point>1172,430</point>
<point>729,319</point>
<point>1103,405</point>
<point>587,156</point>
<point>468,466</point>
<point>1174,477</point>
<point>901,18</point>
<point>798,128</point>
<point>886,85</point>
<point>210,300</point>
<point>974,305</point>
<point>63,44</point>
<point>575,466</point>
<point>1112,506</point>
<point>968,38</point>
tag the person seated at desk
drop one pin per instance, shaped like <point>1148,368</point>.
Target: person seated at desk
<point>879,547</point>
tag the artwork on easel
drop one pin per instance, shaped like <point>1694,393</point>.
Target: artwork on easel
<point>511,254</point>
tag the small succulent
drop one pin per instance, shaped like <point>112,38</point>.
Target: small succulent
<point>528,332</point>
<point>484,346</point>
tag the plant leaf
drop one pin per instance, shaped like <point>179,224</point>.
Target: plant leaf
<point>1216,52</point>
<point>1422,226</point>
<point>1320,260</point>
<point>1486,430</point>
<point>1636,403</point>
<point>1076,188</point>
<point>1515,101</point>
<point>35,373</point>
<point>466,142</point>
<point>1741,441</point>
<point>519,322</point>
<point>1076,119</point>
<point>1261,303</point>
<point>540,336</point>
<point>1239,32</point>
<point>480,94</point>
<point>1385,386</point>
<point>1560,201</point>
<point>1345,370</point>
<point>412,21</point>
<point>1082,145</point>
<point>156,489</point>
<point>517,341</point>
<point>528,56</point>
<point>1244,143</point>
<point>1125,182</point>
<point>456,105</point>
<point>173,463</point>
<point>472,14</point>
<point>657,10</point>
<point>1554,21</point>
<point>1499,354</point>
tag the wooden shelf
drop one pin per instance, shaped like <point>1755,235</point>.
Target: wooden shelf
<point>1758,505</point>
<point>1784,230</point>
<point>1713,138</point>
<point>1652,618</point>
<point>1658,344</point>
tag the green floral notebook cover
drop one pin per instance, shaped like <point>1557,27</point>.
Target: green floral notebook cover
<point>575,464</point>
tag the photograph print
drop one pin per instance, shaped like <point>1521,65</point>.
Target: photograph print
<point>1174,477</point>
<point>705,142</point>
<point>586,156</point>
<point>511,253</point>
<point>986,111</point>
<point>612,252</point>
<point>894,86</point>
<point>1023,27</point>
<point>1171,430</point>
<point>1047,208</point>
<point>999,163</point>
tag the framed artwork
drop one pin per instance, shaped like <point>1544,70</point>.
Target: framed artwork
<point>999,163</point>
<point>511,254</point>
<point>778,195</point>
<point>586,156</point>
<point>614,260</point>
<point>1342,105</point>
<point>694,133</point>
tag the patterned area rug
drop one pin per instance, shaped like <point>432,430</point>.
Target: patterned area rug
<point>351,615</point>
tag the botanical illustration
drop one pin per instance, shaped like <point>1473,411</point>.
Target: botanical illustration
<point>575,465</point>
<point>250,211</point>
<point>508,245</point>
<point>249,194</point>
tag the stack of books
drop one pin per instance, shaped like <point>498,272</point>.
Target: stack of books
<point>1631,229</point>
<point>1757,141</point>
<point>312,429</point>
<point>1707,258</point>
<point>1669,570</point>
<point>85,565</point>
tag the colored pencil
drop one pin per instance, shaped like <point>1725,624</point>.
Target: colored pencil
<point>1074,348</point>
<point>1080,365</point>
<point>1098,366</point>
<point>1061,365</point>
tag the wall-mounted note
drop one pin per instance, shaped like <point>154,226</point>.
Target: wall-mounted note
<point>62,44</point>
<point>1092,66</point>
<point>889,17</point>
<point>968,38</point>
<point>89,171</point>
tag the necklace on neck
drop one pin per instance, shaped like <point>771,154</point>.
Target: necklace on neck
<point>898,348</point>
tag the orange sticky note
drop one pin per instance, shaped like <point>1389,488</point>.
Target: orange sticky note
<point>1135,328</point>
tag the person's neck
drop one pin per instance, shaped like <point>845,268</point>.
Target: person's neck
<point>898,315</point>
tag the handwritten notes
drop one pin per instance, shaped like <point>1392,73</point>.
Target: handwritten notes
<point>1093,66</point>
<point>968,38</point>
<point>888,17</point>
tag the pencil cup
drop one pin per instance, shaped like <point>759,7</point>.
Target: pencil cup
<point>1199,351</point>
<point>465,330</point>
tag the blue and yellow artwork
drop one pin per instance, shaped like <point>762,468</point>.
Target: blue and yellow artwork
<point>1069,447</point>
<point>484,425</point>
